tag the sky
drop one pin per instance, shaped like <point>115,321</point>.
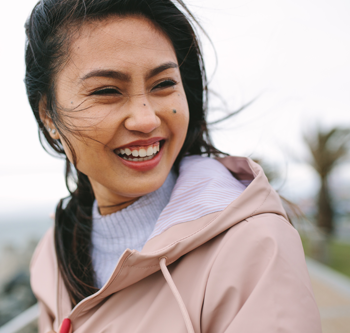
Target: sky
<point>292,56</point>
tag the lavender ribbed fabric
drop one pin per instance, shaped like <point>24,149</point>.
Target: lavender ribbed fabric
<point>129,228</point>
<point>204,186</point>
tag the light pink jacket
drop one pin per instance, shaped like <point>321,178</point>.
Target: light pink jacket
<point>240,269</point>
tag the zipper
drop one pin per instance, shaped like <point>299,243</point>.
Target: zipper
<point>125,256</point>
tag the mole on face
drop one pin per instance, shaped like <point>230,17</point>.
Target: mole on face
<point>144,104</point>
<point>174,111</point>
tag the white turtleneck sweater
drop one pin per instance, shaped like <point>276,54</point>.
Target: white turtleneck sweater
<point>128,228</point>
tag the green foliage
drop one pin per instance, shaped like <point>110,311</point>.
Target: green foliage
<point>339,255</point>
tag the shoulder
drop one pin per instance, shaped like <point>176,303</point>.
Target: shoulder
<point>265,238</point>
<point>273,227</point>
<point>44,246</point>
<point>43,268</point>
<point>260,272</point>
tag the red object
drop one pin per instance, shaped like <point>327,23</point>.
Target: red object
<point>65,327</point>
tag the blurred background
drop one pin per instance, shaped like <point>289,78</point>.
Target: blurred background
<point>288,62</point>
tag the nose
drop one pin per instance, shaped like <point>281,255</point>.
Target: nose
<point>142,117</point>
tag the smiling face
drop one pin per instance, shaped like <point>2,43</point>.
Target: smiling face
<point>121,90</point>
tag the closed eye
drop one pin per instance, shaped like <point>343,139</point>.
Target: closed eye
<point>165,84</point>
<point>106,91</point>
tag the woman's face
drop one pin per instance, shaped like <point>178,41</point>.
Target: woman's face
<point>123,86</point>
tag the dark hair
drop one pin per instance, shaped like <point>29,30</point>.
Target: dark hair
<point>48,30</point>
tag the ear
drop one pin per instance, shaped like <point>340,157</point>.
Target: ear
<point>46,120</point>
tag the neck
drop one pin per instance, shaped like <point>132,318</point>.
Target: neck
<point>105,209</point>
<point>107,203</point>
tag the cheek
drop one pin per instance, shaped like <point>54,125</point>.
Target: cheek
<point>182,123</point>
<point>183,115</point>
<point>179,123</point>
<point>85,146</point>
<point>90,120</point>
<point>91,128</point>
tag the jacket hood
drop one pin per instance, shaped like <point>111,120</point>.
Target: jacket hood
<point>206,211</point>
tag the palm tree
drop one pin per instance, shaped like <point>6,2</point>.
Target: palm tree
<point>328,149</point>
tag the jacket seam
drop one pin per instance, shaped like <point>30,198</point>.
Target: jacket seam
<point>96,297</point>
<point>121,268</point>
<point>278,216</point>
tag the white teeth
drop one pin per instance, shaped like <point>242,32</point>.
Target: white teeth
<point>142,152</point>
<point>150,151</point>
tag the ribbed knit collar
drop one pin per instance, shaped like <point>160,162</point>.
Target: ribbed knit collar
<point>131,226</point>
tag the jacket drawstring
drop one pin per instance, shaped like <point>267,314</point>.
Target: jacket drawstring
<point>169,280</point>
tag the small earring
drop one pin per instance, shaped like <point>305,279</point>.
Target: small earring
<point>53,131</point>
<point>48,129</point>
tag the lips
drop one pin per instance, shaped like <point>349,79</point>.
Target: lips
<point>142,143</point>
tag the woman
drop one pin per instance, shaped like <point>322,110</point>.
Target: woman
<point>155,237</point>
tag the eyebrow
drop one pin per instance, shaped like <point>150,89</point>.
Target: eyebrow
<point>161,68</point>
<point>126,77</point>
<point>107,73</point>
